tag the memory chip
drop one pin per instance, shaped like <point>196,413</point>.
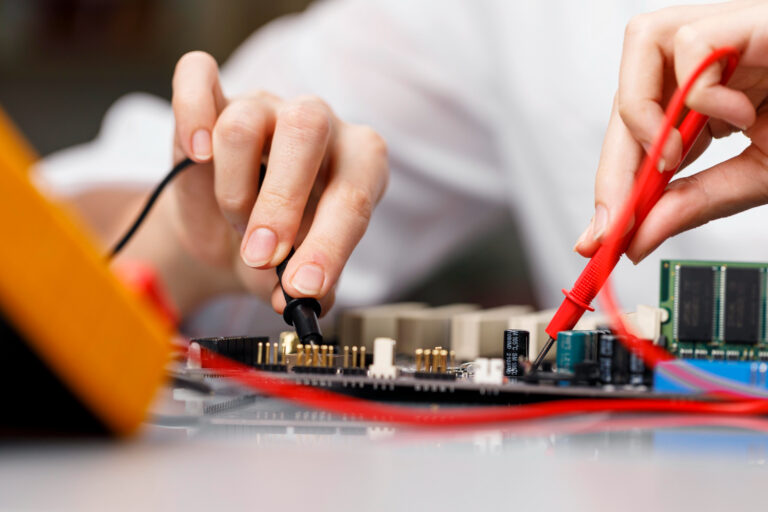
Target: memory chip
<point>742,305</point>
<point>695,303</point>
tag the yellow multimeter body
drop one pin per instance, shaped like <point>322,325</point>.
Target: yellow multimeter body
<point>104,346</point>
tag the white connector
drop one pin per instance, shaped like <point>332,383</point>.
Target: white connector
<point>383,359</point>
<point>489,371</point>
<point>194,356</point>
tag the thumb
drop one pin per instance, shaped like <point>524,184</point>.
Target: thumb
<point>723,190</point>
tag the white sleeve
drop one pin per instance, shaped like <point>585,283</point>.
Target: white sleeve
<point>386,64</point>
<point>133,148</point>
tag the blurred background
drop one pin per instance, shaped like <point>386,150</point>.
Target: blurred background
<point>64,62</point>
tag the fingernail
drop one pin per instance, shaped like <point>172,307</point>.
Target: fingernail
<point>600,221</point>
<point>581,238</point>
<point>260,247</point>
<point>308,279</point>
<point>201,144</point>
<point>662,165</point>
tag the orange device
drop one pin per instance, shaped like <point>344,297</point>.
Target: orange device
<point>79,352</point>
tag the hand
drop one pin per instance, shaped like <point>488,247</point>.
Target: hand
<point>323,180</point>
<point>661,50</point>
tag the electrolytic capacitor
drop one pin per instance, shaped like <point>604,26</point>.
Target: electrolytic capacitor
<point>613,358</point>
<point>639,374</point>
<point>575,347</point>
<point>516,345</point>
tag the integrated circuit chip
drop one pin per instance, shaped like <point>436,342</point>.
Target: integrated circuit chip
<point>742,305</point>
<point>695,303</point>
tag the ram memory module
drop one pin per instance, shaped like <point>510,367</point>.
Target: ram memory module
<point>717,309</point>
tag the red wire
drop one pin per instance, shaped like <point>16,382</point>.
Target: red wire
<point>373,411</point>
<point>369,410</point>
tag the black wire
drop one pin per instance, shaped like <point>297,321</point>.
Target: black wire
<point>148,206</point>
<point>300,313</point>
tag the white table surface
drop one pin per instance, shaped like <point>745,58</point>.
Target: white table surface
<point>584,463</point>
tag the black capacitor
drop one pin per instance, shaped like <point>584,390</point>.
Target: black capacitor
<point>613,359</point>
<point>516,345</point>
<point>639,374</point>
<point>586,373</point>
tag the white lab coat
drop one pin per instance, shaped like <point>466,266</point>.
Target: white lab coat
<point>485,105</point>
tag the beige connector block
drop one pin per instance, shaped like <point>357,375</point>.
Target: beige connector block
<point>646,321</point>
<point>481,333</point>
<point>360,326</point>
<point>591,321</point>
<point>429,327</point>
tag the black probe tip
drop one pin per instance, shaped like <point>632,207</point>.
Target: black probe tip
<point>302,314</point>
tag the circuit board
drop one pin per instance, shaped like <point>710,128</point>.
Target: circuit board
<point>716,310</point>
<point>462,390</point>
<point>434,376</point>
<point>463,355</point>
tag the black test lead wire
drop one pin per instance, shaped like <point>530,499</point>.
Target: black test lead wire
<point>301,313</point>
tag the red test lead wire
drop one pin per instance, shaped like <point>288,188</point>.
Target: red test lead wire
<point>648,189</point>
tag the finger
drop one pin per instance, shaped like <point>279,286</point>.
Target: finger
<point>302,132</point>
<point>326,301</point>
<point>637,115</point>
<point>343,212</point>
<point>619,159</point>
<point>197,101</point>
<point>616,175</point>
<point>196,215</point>
<point>715,129</point>
<point>643,81</point>
<point>260,283</point>
<point>718,129</point>
<point>707,95</point>
<point>238,143</point>
<point>647,44</point>
<point>730,187</point>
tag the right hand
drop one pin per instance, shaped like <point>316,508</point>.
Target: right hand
<point>323,179</point>
<point>661,50</point>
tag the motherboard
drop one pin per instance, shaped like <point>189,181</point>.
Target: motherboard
<point>461,354</point>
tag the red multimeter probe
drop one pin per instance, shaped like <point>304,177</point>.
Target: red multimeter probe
<point>648,189</point>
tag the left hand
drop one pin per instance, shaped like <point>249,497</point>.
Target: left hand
<point>324,177</point>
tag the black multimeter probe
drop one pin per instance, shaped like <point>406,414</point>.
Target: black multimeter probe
<point>300,313</point>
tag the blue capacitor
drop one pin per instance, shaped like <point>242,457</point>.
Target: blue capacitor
<point>574,347</point>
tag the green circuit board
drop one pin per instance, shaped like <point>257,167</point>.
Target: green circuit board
<point>717,309</point>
